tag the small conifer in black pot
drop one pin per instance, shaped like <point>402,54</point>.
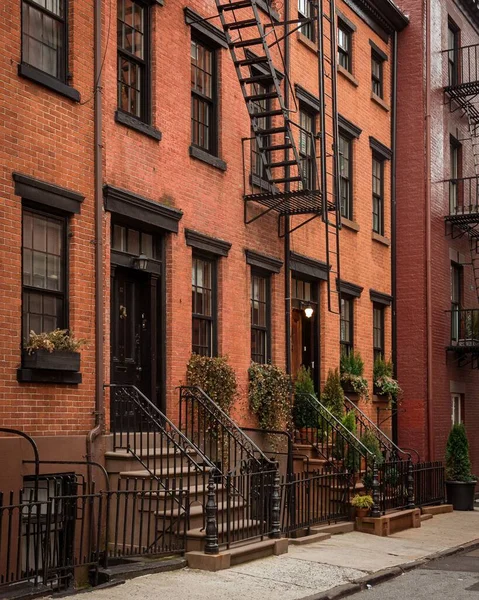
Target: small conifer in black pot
<point>460,483</point>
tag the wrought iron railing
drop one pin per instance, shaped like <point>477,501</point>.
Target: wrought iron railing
<point>463,67</point>
<point>396,485</point>
<point>217,436</point>
<point>464,197</point>
<point>309,500</point>
<point>429,483</point>
<point>464,329</point>
<point>364,426</point>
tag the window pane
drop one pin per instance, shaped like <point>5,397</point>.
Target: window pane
<point>133,237</point>
<point>43,35</point>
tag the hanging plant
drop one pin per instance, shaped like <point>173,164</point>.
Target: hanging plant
<point>269,394</point>
<point>215,377</point>
<point>384,383</point>
<point>352,370</point>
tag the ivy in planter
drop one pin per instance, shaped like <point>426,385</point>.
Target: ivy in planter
<point>269,395</point>
<point>352,370</point>
<point>384,383</point>
<point>215,377</point>
<point>51,357</point>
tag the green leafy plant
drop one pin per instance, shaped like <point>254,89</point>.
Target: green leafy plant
<point>352,370</point>
<point>304,415</point>
<point>269,395</point>
<point>371,442</point>
<point>362,501</point>
<point>384,380</point>
<point>333,394</point>
<point>215,376</point>
<point>59,340</point>
<point>348,448</point>
<point>458,462</point>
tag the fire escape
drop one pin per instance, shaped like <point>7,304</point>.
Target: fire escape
<point>292,171</point>
<point>462,94</point>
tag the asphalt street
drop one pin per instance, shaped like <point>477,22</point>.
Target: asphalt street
<point>452,578</point>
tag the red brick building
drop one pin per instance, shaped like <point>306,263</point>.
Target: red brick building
<point>436,211</point>
<point>176,165</point>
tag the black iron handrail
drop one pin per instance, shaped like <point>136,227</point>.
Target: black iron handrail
<point>464,329</point>
<point>364,423</point>
<point>36,460</point>
<point>289,438</point>
<point>217,436</point>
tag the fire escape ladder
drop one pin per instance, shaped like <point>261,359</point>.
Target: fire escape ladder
<point>326,18</point>
<point>244,32</point>
<point>474,248</point>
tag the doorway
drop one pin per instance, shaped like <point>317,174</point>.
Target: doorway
<point>305,328</point>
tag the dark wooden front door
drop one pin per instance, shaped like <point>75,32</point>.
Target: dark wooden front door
<point>131,329</point>
<point>304,345</point>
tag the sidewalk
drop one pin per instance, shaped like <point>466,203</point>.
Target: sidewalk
<point>305,570</point>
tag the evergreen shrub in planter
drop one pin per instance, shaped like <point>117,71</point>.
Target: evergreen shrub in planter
<point>333,394</point>
<point>460,482</point>
<point>352,370</point>
<point>304,414</point>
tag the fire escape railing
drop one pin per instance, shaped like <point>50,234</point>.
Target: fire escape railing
<point>464,330</point>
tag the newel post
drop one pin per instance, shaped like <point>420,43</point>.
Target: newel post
<point>376,509</point>
<point>276,506</point>
<point>211,539</point>
<point>410,484</point>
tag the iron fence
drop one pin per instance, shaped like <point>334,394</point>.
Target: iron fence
<point>429,486</point>
<point>309,500</point>
<point>396,485</point>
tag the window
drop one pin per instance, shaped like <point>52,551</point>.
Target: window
<point>345,176</point>
<point>133,29</point>
<point>456,300</point>
<point>306,11</point>
<point>259,106</point>
<point>344,46</point>
<point>453,54</point>
<point>44,39</point>
<point>260,315</point>
<point>44,272</point>
<point>347,325</point>
<point>203,109</point>
<point>457,409</point>
<point>306,148</point>
<point>378,331</point>
<point>377,74</point>
<point>455,151</point>
<point>204,306</point>
<point>132,241</point>
<point>378,195</point>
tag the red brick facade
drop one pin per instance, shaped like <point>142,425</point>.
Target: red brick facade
<point>419,138</point>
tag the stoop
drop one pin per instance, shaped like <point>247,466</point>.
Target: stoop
<point>437,510</point>
<point>390,523</point>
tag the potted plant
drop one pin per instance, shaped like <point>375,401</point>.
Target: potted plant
<point>352,370</point>
<point>384,383</point>
<point>304,414</point>
<point>362,504</point>
<point>55,351</point>
<point>460,482</point>
<point>333,394</point>
<point>269,395</point>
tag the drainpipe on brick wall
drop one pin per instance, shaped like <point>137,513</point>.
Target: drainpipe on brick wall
<point>430,432</point>
<point>287,241</point>
<point>99,398</point>
<point>393,223</point>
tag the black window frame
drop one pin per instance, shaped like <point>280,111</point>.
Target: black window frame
<point>255,327</point>
<point>347,214</point>
<point>212,102</point>
<point>453,56</point>
<point>378,349</point>
<point>455,166</point>
<point>306,158</point>
<point>378,199</point>
<point>377,81</point>
<point>213,319</point>
<point>63,294</point>
<point>345,54</point>
<point>63,76</point>
<point>307,29</point>
<point>347,346</point>
<point>457,299</point>
<point>143,64</point>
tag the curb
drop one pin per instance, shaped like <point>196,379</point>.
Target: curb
<point>358,585</point>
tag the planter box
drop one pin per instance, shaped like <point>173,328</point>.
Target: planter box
<point>349,391</point>
<point>51,361</point>
<point>461,494</point>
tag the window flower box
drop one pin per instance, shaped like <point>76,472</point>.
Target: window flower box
<point>58,360</point>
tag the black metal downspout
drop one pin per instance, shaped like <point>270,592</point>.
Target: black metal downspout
<point>99,292</point>
<point>393,227</point>
<point>287,241</point>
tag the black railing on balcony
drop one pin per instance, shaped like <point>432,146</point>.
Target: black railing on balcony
<point>464,330</point>
<point>463,199</point>
<point>462,70</point>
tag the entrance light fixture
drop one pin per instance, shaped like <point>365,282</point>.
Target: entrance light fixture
<point>141,262</point>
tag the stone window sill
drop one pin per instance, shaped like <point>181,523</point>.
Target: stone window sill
<point>350,224</point>
<point>137,125</point>
<point>380,102</point>
<point>307,42</point>
<point>381,239</point>
<point>207,158</point>
<point>347,75</point>
<point>46,80</point>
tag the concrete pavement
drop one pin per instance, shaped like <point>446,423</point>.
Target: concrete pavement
<point>305,570</point>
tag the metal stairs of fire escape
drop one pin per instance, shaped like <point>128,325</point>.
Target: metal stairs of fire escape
<point>472,114</point>
<point>245,31</point>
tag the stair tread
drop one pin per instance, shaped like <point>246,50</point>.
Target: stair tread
<point>198,509</point>
<point>164,452</point>
<point>169,472</point>
<point>199,532</point>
